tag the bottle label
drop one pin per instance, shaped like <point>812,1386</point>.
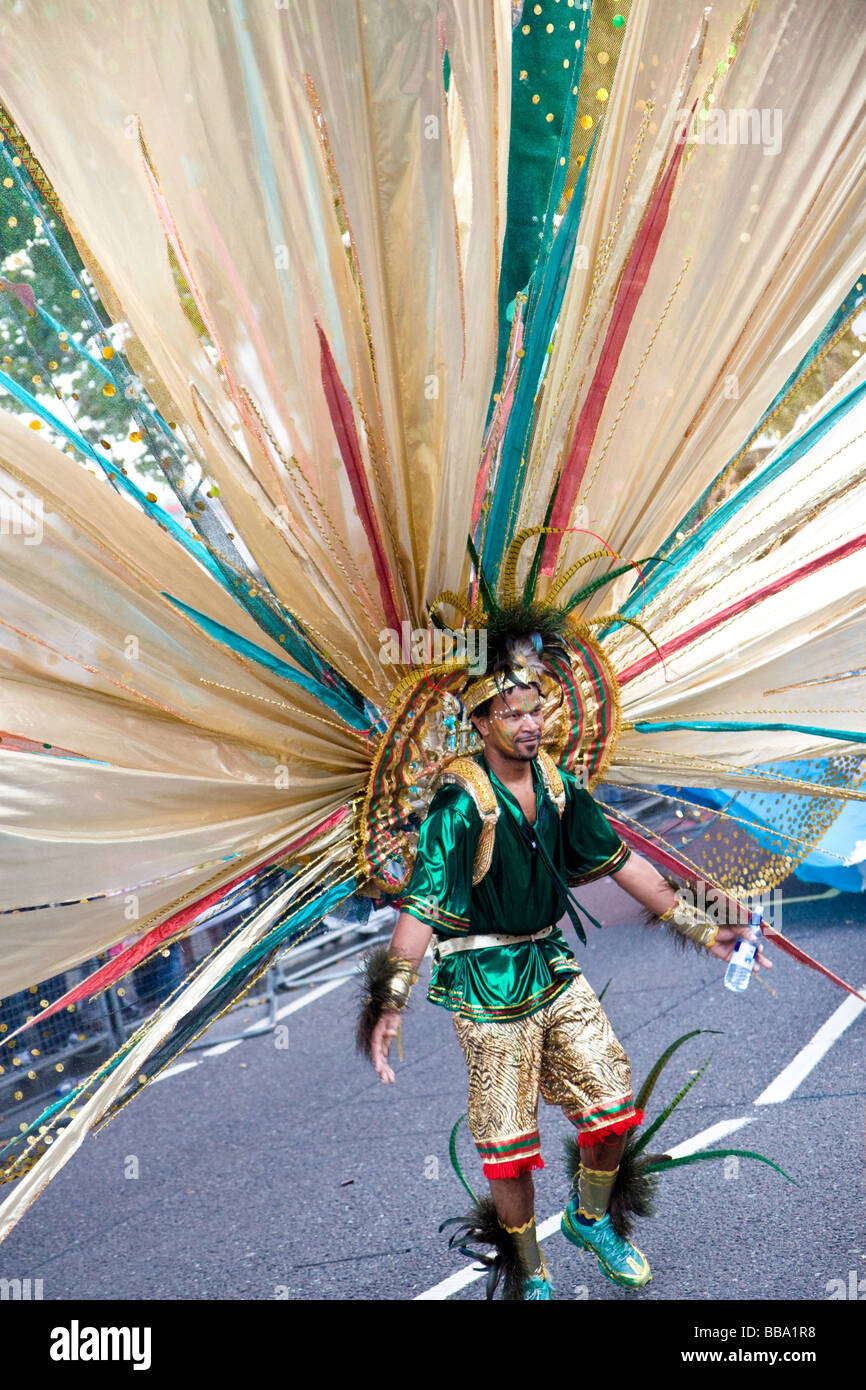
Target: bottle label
<point>744,953</point>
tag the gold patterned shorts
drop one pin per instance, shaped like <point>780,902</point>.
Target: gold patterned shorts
<point>568,1053</point>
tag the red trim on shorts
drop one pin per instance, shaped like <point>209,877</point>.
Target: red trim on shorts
<point>514,1167</point>
<point>587,1137</point>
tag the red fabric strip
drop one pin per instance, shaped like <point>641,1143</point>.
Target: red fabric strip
<point>630,290</point>
<point>340,408</point>
<point>668,861</point>
<point>127,959</point>
<point>588,1137</point>
<point>514,1168</point>
<point>766,591</point>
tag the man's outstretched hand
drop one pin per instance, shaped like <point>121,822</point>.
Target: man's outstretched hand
<point>383,1035</point>
<point>726,940</point>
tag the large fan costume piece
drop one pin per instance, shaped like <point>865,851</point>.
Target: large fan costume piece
<point>415,305</point>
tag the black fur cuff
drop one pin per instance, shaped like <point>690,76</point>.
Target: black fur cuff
<point>385,984</point>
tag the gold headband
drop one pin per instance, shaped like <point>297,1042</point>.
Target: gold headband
<point>497,684</point>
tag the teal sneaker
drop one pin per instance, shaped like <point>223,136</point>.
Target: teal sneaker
<point>537,1288</point>
<point>618,1259</point>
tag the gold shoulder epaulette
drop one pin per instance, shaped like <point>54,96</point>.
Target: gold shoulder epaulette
<point>471,778</point>
<point>551,779</point>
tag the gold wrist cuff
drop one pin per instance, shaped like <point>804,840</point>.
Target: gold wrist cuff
<point>400,985</point>
<point>692,922</point>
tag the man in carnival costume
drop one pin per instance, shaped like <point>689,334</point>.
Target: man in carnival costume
<point>505,836</point>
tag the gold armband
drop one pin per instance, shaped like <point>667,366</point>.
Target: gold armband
<point>692,923</point>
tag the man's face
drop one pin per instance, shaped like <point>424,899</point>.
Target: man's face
<point>513,724</point>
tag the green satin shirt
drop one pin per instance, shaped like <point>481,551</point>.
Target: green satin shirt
<point>516,897</point>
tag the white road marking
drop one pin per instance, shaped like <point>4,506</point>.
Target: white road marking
<point>709,1136</point>
<point>221,1048</point>
<point>308,998</point>
<point>808,1057</point>
<point>175,1070</point>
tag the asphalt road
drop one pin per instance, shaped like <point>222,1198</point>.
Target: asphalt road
<point>283,1168</point>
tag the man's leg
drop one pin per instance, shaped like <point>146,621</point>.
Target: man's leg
<point>503,1060</point>
<point>586,1072</point>
<point>514,1199</point>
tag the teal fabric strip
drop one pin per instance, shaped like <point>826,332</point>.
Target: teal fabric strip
<point>114,475</point>
<point>694,544</point>
<point>542,312</point>
<point>348,712</point>
<point>536,145</point>
<point>664,726</point>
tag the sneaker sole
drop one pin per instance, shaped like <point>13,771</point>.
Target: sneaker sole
<point>576,1238</point>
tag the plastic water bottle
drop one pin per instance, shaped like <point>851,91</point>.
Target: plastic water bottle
<point>739,971</point>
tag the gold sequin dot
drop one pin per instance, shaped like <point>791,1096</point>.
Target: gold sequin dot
<point>142,1078</point>
<point>36,424</point>
<point>571,25</point>
<point>550,28</point>
<point>76,294</point>
<point>108,351</point>
<point>36,379</point>
<point>536,9</point>
<point>525,29</point>
<point>602,58</point>
<point>108,389</point>
<point>34,1052</point>
<point>586,122</point>
<point>32,1075</point>
<point>549,116</point>
<point>13,221</point>
<point>19,1095</point>
<point>121,990</point>
<point>53,366</point>
<point>602,94</point>
<point>135,437</point>
<point>523,74</point>
<point>59,1066</point>
<point>536,99</point>
<point>7,183</point>
<point>566,62</point>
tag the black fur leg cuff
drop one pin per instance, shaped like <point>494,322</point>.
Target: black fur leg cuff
<point>505,1264</point>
